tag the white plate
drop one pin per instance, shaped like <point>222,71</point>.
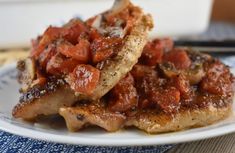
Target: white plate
<point>9,96</point>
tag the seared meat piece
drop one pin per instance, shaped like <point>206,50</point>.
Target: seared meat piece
<point>184,119</point>
<point>147,120</point>
<point>66,52</point>
<point>44,100</point>
<point>127,57</point>
<point>94,114</point>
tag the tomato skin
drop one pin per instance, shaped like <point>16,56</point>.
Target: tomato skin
<point>166,43</point>
<point>79,52</point>
<point>182,84</point>
<point>152,54</point>
<point>102,55</point>
<point>154,91</point>
<point>124,95</point>
<point>105,43</point>
<point>84,79</point>
<point>72,31</point>
<point>179,58</point>
<point>218,79</point>
<point>46,55</point>
<point>103,48</point>
<point>59,64</point>
<point>94,34</point>
<point>51,34</point>
<point>153,51</point>
<point>168,99</point>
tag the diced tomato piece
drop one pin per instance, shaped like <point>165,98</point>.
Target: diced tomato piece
<point>46,55</point>
<point>146,79</point>
<point>178,57</point>
<point>80,52</point>
<point>84,79</point>
<point>103,48</point>
<point>59,64</point>
<point>153,51</point>
<point>105,43</point>
<point>101,55</point>
<point>94,34</point>
<point>73,30</point>
<point>49,35</point>
<point>152,54</point>
<point>70,32</point>
<point>168,99</point>
<point>124,95</point>
<point>218,79</point>
<point>140,71</point>
<point>182,84</point>
<point>166,43</point>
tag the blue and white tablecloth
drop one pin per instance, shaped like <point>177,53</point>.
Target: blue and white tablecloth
<point>16,144</point>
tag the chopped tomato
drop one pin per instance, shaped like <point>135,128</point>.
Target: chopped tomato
<point>105,43</point>
<point>153,51</point>
<point>182,84</point>
<point>80,52</point>
<point>101,55</point>
<point>218,79</point>
<point>94,34</point>
<point>123,95</point>
<point>103,48</point>
<point>46,55</point>
<point>141,71</point>
<point>73,30</point>
<point>168,99</point>
<point>84,79</point>
<point>152,54</point>
<point>51,34</point>
<point>166,43</point>
<point>146,79</point>
<point>59,64</point>
<point>178,57</point>
<point>70,32</point>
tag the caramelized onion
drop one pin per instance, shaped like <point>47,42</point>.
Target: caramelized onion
<point>97,22</point>
<point>27,72</point>
<point>118,6</point>
<point>194,75</point>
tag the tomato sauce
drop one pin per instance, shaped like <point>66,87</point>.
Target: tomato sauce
<point>159,91</point>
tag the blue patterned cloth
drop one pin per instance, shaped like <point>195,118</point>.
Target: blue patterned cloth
<point>10,143</point>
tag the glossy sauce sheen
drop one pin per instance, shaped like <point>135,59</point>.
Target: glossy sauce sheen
<point>149,87</point>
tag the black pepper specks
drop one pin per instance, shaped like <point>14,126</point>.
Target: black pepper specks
<point>37,92</point>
